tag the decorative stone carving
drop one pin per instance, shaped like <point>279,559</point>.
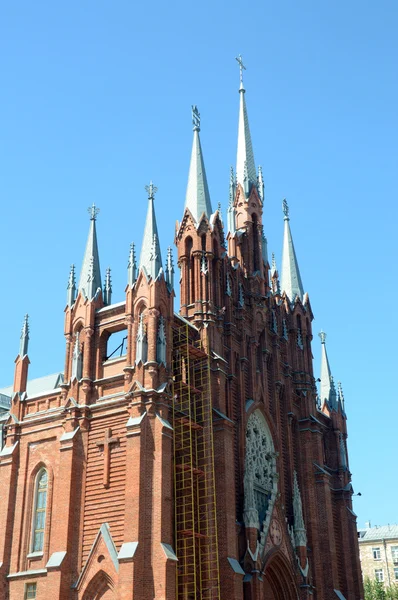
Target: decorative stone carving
<point>142,342</point>
<point>260,478</point>
<point>77,360</point>
<point>161,342</point>
<point>300,534</point>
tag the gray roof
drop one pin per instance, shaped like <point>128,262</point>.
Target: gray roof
<point>197,198</point>
<point>38,386</point>
<point>244,156</point>
<point>151,258</point>
<point>90,275</point>
<point>383,532</point>
<point>290,273</point>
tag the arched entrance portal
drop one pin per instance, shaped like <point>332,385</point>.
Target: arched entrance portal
<point>101,587</point>
<point>279,581</point>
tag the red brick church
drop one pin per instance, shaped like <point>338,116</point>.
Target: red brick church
<point>183,453</point>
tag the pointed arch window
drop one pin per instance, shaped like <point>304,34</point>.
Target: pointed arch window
<point>39,514</point>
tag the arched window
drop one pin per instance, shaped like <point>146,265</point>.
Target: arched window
<point>39,512</point>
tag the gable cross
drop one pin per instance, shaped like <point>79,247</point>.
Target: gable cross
<point>106,443</point>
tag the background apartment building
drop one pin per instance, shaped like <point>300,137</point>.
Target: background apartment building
<point>378,547</point>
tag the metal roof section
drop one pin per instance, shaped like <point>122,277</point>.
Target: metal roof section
<point>150,258</point>
<point>39,386</point>
<point>384,532</point>
<point>197,198</point>
<point>90,274</point>
<point>245,167</point>
<point>290,274</point>
<point>24,341</point>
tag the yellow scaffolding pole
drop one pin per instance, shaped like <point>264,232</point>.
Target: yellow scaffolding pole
<point>194,480</point>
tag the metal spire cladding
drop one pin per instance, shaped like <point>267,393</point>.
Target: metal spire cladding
<point>245,166</point>
<point>290,273</point>
<point>90,274</point>
<point>150,258</point>
<point>197,198</point>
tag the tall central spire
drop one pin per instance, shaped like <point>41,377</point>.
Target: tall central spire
<point>245,166</point>
<point>197,197</point>
<point>90,275</point>
<point>290,275</point>
<point>150,258</point>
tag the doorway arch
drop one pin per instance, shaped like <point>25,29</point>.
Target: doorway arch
<point>101,587</point>
<point>279,579</point>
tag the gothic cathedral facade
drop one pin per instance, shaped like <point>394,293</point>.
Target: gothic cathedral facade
<point>197,461</point>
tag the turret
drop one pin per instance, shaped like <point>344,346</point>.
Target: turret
<point>246,239</point>
<point>200,240</point>
<point>151,258</point>
<point>197,199</point>
<point>90,275</point>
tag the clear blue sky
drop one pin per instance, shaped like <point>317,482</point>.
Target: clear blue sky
<point>95,101</point>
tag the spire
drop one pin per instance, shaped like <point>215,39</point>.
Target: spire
<point>132,266</point>
<point>108,288</point>
<point>245,166</point>
<point>300,534</point>
<point>90,275</point>
<point>170,269</point>
<point>290,276</point>
<point>23,345</point>
<point>71,293</point>
<point>197,197</point>
<point>151,259</point>
<point>328,390</point>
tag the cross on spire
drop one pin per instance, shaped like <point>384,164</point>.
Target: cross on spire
<point>241,68</point>
<point>106,443</point>
<point>151,189</point>
<point>195,118</point>
<point>93,212</point>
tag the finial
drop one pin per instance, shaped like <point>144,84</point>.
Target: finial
<point>195,118</point>
<point>93,212</point>
<point>23,346</point>
<point>260,184</point>
<point>322,335</point>
<point>71,293</point>
<point>132,266</point>
<point>241,68</point>
<point>341,395</point>
<point>285,209</point>
<point>219,207</point>
<point>108,288</point>
<point>170,269</point>
<point>151,189</point>
<point>273,261</point>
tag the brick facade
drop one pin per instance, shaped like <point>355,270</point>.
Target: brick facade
<point>107,440</point>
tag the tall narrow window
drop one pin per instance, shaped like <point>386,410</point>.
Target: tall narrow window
<point>39,515</point>
<point>30,591</point>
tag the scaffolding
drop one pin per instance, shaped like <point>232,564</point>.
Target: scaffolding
<point>194,482</point>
